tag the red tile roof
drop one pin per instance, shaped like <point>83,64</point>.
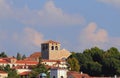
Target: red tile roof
<point>25,73</point>
<point>33,57</point>
<point>35,54</point>
<point>7,60</point>
<point>4,60</point>
<point>26,62</point>
<point>3,72</point>
<point>78,75</point>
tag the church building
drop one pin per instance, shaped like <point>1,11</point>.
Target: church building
<point>51,50</point>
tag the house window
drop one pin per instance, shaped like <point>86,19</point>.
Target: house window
<point>62,77</point>
<point>13,65</point>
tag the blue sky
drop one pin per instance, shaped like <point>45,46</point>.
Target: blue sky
<point>76,24</point>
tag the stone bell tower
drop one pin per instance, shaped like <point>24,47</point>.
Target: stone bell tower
<point>49,50</point>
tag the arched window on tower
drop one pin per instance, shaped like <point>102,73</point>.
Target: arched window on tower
<point>52,48</point>
<point>56,47</point>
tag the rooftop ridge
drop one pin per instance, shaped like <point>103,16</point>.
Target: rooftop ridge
<point>51,41</point>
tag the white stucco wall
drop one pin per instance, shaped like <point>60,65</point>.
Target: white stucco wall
<point>4,75</point>
<point>22,70</point>
<point>58,73</point>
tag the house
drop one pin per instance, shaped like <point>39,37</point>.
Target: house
<point>34,57</point>
<point>22,68</point>
<point>55,63</point>
<point>52,57</point>
<point>73,74</point>
<point>3,74</point>
<point>58,72</point>
<point>51,50</point>
<point>12,62</point>
<point>25,74</point>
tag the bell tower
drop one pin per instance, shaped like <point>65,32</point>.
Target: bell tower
<point>49,50</point>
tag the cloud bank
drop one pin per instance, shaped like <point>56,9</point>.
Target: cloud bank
<point>49,15</point>
<point>28,40</point>
<point>29,37</point>
<point>92,36</point>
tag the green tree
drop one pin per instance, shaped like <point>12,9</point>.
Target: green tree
<point>112,52</point>
<point>7,68</point>
<point>2,54</point>
<point>83,58</point>
<point>74,64</point>
<point>19,56</point>
<point>40,68</point>
<point>92,68</point>
<point>98,62</point>
<point>1,68</point>
<point>111,66</point>
<point>23,57</point>
<point>95,53</point>
<point>13,74</point>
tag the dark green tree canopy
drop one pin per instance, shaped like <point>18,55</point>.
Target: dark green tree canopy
<point>74,64</point>
<point>19,57</point>
<point>97,62</point>
<point>2,55</point>
<point>23,57</point>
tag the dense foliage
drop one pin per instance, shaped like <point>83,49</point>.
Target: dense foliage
<point>97,62</point>
<point>12,73</point>
<point>20,56</point>
<point>74,64</point>
<point>2,55</point>
<point>40,68</point>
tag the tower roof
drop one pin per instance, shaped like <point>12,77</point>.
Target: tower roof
<point>51,41</point>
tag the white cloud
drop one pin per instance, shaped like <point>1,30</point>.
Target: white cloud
<point>5,9</point>
<point>112,2</point>
<point>49,15</point>
<point>55,15</point>
<point>28,40</point>
<point>29,37</point>
<point>92,36</point>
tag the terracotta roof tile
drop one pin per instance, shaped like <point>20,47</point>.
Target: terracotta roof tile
<point>78,75</point>
<point>4,60</point>
<point>26,62</point>
<point>3,72</point>
<point>25,73</point>
<point>35,54</point>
